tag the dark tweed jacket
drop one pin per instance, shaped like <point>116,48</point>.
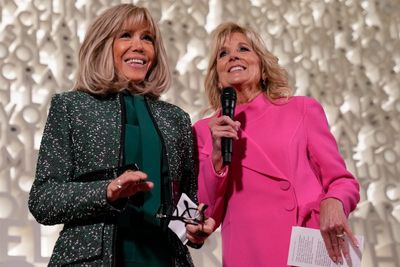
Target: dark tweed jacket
<point>80,153</point>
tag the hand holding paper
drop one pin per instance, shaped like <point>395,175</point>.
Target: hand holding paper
<point>307,249</point>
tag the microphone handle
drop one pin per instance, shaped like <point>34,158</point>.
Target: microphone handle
<point>228,111</point>
<point>227,148</point>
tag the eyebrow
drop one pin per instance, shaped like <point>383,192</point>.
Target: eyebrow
<point>246,44</point>
<point>136,30</point>
<point>146,31</point>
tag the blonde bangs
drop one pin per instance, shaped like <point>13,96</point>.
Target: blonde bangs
<point>137,17</point>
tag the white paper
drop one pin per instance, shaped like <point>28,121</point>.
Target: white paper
<point>307,249</point>
<point>179,227</point>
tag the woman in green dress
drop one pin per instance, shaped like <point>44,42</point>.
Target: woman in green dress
<point>113,155</point>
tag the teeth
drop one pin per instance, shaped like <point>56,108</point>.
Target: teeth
<point>236,68</point>
<point>134,60</point>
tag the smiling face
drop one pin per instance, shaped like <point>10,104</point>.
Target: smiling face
<point>133,51</point>
<point>237,63</point>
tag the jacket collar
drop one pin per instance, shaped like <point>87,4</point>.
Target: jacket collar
<point>247,153</point>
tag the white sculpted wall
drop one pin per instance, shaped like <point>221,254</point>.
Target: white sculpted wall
<point>345,53</point>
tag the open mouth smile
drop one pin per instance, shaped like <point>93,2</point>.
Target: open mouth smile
<point>236,68</point>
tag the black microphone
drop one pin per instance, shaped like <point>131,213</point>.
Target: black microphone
<point>228,103</point>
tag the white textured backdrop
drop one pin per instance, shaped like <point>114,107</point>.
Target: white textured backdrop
<point>345,53</point>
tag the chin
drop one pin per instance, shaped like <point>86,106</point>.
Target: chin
<point>135,79</point>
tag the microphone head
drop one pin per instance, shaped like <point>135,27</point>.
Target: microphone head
<point>228,94</point>
<point>228,101</point>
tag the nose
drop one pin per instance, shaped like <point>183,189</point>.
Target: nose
<point>136,45</point>
<point>233,56</point>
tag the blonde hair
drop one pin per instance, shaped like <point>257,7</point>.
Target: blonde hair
<point>97,73</point>
<point>274,82</point>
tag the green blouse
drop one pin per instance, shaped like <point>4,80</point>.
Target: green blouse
<point>140,239</point>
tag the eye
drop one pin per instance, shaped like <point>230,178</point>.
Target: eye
<point>148,37</point>
<point>222,53</point>
<point>243,49</point>
<point>125,35</point>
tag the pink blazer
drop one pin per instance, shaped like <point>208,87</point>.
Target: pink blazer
<point>285,162</point>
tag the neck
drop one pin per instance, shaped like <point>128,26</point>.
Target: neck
<point>245,95</point>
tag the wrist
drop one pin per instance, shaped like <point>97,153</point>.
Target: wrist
<point>217,162</point>
<point>222,171</point>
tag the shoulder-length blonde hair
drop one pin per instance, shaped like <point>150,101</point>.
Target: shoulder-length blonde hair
<point>97,73</point>
<point>274,81</point>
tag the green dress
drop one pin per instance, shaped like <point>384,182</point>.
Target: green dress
<point>140,238</point>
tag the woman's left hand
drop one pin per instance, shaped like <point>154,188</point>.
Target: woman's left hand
<point>197,234</point>
<point>335,230</point>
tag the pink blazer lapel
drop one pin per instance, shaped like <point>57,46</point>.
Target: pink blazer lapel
<point>256,159</point>
<point>249,155</point>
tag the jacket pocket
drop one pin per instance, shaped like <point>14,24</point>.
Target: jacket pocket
<point>78,243</point>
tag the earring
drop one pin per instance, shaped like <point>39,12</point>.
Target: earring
<point>263,85</point>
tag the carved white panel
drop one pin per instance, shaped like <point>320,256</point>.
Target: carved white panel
<point>345,53</point>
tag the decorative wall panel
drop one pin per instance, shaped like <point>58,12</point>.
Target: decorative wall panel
<point>345,53</point>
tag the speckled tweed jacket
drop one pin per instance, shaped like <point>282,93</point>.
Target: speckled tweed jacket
<point>82,138</point>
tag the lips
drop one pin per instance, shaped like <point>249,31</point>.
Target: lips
<point>236,68</point>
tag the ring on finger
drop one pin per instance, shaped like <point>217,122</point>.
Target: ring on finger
<point>119,186</point>
<point>341,237</point>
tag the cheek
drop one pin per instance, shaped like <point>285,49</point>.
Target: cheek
<point>117,62</point>
<point>256,68</point>
<point>152,62</point>
<point>256,75</point>
<point>116,53</point>
<point>219,68</point>
<point>119,48</point>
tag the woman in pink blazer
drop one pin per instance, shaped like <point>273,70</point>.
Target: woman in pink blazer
<point>286,169</point>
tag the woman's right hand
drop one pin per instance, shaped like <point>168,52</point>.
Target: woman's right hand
<point>220,127</point>
<point>128,184</point>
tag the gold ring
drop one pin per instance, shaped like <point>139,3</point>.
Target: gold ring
<point>118,184</point>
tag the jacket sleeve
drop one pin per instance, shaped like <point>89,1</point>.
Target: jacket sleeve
<point>55,198</point>
<point>212,186</point>
<point>189,178</point>
<point>336,180</point>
